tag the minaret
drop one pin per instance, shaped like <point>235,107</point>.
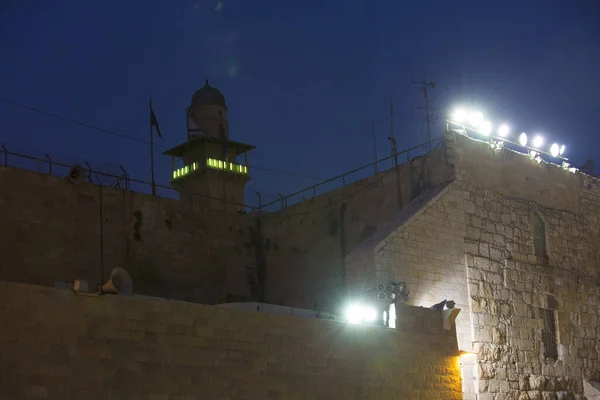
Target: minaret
<point>211,176</point>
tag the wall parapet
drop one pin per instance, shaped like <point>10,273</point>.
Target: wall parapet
<point>59,345</point>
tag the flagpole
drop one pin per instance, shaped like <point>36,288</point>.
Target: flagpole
<point>152,152</point>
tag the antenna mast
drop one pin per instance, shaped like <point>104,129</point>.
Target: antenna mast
<point>424,85</point>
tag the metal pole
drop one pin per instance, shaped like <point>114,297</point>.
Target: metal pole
<point>343,247</point>
<point>398,185</point>
<point>152,153</point>
<point>90,173</point>
<point>392,119</point>
<point>101,234</point>
<point>126,176</point>
<point>374,146</point>
<point>427,116</point>
<point>282,200</point>
<point>259,200</point>
<point>49,163</point>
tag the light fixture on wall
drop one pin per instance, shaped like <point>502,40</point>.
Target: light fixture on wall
<point>503,130</point>
<point>523,139</point>
<point>358,313</point>
<point>465,122</point>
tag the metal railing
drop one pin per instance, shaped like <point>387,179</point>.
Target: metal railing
<point>344,179</point>
<point>122,181</point>
<point>125,182</point>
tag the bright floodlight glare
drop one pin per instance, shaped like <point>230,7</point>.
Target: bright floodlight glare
<point>523,139</point>
<point>562,150</point>
<point>538,141</point>
<point>459,116</point>
<point>475,118</point>
<point>356,314</point>
<point>486,128</point>
<point>554,150</point>
<point>369,314</point>
<point>503,130</point>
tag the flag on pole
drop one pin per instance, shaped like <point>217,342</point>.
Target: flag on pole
<point>154,121</point>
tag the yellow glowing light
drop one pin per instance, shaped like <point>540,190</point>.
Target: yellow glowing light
<point>212,163</point>
<point>226,166</point>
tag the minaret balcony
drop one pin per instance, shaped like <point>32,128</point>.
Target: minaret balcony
<point>211,163</point>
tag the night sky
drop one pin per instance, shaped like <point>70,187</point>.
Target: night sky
<point>302,80</point>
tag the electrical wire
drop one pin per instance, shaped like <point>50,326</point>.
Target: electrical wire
<point>135,139</point>
<point>73,121</point>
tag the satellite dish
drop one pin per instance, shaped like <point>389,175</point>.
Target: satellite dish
<point>119,283</point>
<point>77,174</point>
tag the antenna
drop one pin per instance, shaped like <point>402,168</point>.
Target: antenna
<point>374,146</point>
<point>424,85</point>
<point>391,119</point>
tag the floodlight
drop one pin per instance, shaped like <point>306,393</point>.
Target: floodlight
<point>486,128</point>
<point>538,141</point>
<point>503,130</point>
<point>554,150</point>
<point>523,139</point>
<point>369,314</point>
<point>459,116</point>
<point>562,150</point>
<point>355,314</point>
<point>475,118</point>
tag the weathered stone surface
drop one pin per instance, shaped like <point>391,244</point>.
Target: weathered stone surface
<point>473,244</point>
<point>60,345</point>
<point>506,283</point>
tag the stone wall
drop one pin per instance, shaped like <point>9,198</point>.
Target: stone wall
<point>427,252</point>
<point>509,288</point>
<point>480,233</point>
<point>306,244</point>
<point>51,231</point>
<point>55,344</point>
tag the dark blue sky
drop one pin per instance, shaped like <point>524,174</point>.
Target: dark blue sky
<point>303,80</point>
